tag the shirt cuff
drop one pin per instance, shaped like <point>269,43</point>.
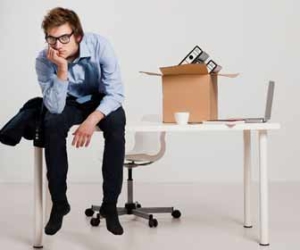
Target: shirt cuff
<point>104,110</point>
<point>60,85</point>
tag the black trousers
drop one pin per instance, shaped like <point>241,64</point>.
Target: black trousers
<point>56,127</point>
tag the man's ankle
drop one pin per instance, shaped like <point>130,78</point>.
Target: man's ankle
<point>108,208</point>
<point>109,211</point>
<point>56,218</point>
<point>61,207</point>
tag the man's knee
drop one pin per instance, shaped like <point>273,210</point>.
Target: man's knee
<point>114,123</point>
<point>54,121</point>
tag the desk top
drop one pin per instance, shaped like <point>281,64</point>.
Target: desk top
<point>168,127</point>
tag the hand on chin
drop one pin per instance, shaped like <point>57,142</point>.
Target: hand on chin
<point>62,54</point>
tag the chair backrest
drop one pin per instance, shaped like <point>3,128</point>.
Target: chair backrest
<point>152,144</point>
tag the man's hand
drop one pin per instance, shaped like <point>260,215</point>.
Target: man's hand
<point>62,63</point>
<point>83,134</point>
<point>53,56</point>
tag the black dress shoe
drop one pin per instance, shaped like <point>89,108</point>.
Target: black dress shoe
<point>56,218</point>
<point>110,213</point>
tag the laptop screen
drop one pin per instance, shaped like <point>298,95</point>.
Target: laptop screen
<point>269,100</point>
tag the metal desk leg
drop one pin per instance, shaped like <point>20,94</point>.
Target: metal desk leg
<point>38,198</point>
<point>48,201</point>
<point>263,188</point>
<point>247,179</point>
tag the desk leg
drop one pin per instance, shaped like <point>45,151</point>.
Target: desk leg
<point>263,189</point>
<point>247,179</point>
<point>38,197</point>
<point>48,201</point>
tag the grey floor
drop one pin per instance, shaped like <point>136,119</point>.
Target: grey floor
<point>212,218</point>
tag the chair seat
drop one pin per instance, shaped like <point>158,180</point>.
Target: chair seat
<point>139,157</point>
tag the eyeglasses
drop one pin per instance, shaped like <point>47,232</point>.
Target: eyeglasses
<point>64,39</point>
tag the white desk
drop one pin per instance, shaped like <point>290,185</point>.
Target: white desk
<point>262,129</point>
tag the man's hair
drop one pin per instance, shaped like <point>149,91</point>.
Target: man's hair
<point>59,16</point>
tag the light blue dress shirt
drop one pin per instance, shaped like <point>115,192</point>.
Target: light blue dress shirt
<point>96,70</point>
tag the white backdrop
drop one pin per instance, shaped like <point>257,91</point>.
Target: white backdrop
<point>258,39</point>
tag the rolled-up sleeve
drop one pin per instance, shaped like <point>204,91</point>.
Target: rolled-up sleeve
<point>111,79</point>
<point>54,90</point>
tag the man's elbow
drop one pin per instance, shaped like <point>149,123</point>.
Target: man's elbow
<point>121,98</point>
<point>55,109</point>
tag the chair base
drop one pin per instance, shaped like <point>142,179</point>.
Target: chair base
<point>134,209</point>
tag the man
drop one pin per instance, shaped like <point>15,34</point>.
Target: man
<point>80,80</point>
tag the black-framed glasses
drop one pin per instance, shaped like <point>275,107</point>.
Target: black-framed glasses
<point>64,39</point>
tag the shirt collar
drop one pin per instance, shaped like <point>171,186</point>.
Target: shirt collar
<point>83,49</point>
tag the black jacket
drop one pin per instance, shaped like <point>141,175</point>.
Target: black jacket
<point>27,123</point>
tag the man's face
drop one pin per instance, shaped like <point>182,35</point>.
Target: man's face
<point>67,44</point>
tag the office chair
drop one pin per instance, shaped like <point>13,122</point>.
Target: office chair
<point>148,148</point>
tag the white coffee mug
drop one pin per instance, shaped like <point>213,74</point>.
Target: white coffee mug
<point>182,118</point>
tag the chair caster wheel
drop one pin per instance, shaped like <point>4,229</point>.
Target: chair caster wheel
<point>89,212</point>
<point>138,205</point>
<point>95,222</point>
<point>153,222</point>
<point>176,214</point>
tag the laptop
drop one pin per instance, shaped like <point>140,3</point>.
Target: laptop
<point>268,110</point>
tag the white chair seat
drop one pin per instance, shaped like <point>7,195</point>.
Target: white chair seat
<point>139,157</point>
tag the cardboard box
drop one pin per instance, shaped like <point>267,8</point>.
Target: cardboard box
<point>189,88</point>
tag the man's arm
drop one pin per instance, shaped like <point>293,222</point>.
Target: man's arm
<point>114,96</point>
<point>54,85</point>
<point>111,78</point>
<point>83,134</point>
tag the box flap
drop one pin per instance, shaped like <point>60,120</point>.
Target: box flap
<point>186,69</point>
<point>226,75</point>
<point>150,73</point>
